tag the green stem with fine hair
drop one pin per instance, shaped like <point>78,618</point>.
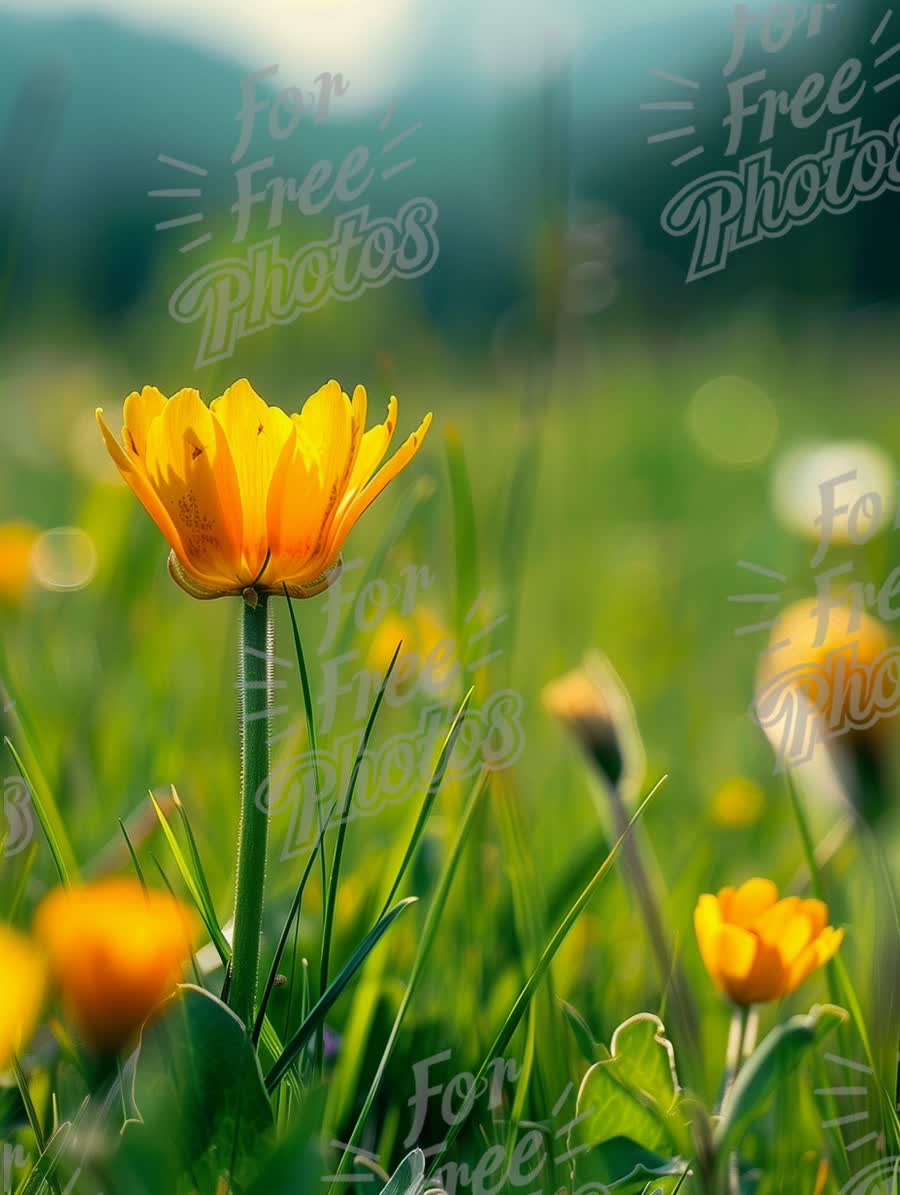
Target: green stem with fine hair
<point>255,683</point>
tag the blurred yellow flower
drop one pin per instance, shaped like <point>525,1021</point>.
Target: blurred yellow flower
<point>16,542</point>
<point>851,644</point>
<point>428,657</point>
<point>115,953</point>
<point>737,802</point>
<point>757,947</point>
<point>249,496</point>
<point>22,992</point>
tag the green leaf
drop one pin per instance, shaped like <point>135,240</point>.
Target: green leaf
<point>620,1164</point>
<point>780,1053</point>
<point>633,1093</point>
<point>407,1179</point>
<point>199,1091</point>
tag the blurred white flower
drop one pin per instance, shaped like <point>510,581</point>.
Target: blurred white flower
<point>802,472</point>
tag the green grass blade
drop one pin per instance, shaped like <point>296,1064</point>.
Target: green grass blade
<point>30,1110</point>
<point>313,744</point>
<point>518,1009</point>
<point>199,873</point>
<point>207,914</point>
<point>304,681</point>
<point>41,794</point>
<point>51,824</point>
<point>133,854</point>
<point>198,979</point>
<point>437,779</point>
<point>43,1171</point>
<point>435,911</point>
<point>331,893</point>
<point>328,998</point>
<point>22,884</point>
<point>286,931</point>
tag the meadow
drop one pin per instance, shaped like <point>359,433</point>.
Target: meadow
<point>577,503</point>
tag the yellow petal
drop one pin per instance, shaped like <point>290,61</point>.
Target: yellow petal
<point>256,435</point>
<point>139,412</point>
<point>363,500</point>
<point>189,466</point>
<point>816,912</point>
<point>374,445</point>
<point>737,950</point>
<point>766,979</point>
<point>135,476</point>
<point>707,923</point>
<point>751,900</point>
<point>772,924</point>
<point>816,954</point>
<point>290,520</point>
<point>310,487</point>
<point>326,425</point>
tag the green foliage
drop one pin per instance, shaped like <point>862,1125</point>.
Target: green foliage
<point>200,1100</point>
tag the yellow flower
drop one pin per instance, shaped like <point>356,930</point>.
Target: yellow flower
<point>115,953</point>
<point>21,993</point>
<point>249,496</point>
<point>737,802</point>
<point>428,657</point>
<point>810,667</point>
<point>757,947</point>
<point>16,542</point>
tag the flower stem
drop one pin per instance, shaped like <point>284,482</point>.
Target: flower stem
<point>256,692</point>
<point>740,1018</point>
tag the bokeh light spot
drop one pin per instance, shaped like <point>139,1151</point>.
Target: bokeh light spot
<point>733,423</point>
<point>64,558</point>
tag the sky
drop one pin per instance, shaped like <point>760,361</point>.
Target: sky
<point>507,42</point>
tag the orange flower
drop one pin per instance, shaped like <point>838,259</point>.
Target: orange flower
<point>757,947</point>
<point>249,496</point>
<point>22,992</point>
<point>115,953</point>
<point>16,542</point>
